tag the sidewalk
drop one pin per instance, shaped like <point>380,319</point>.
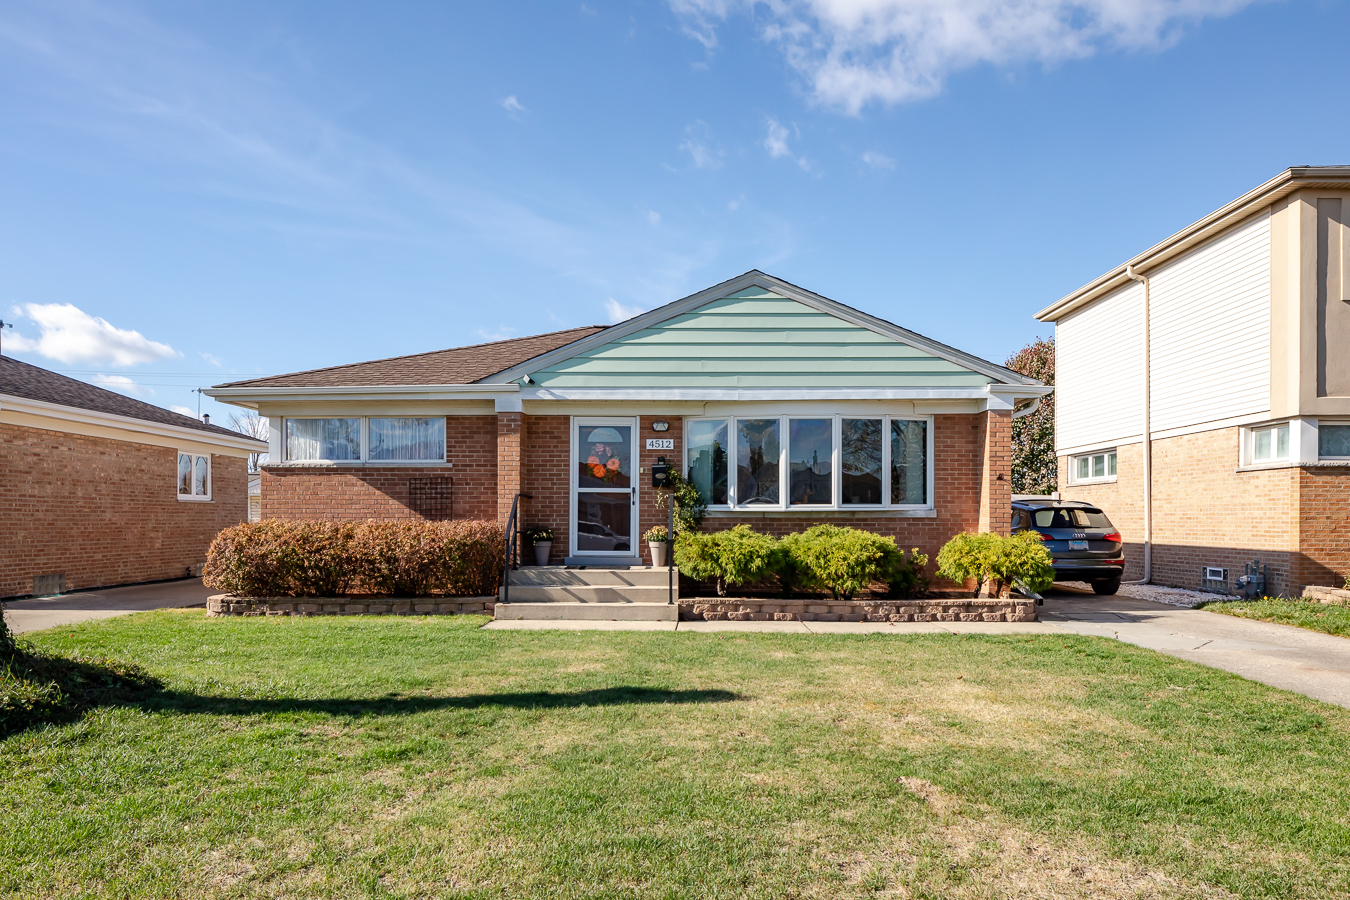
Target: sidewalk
<point>86,606</point>
<point>779,627</point>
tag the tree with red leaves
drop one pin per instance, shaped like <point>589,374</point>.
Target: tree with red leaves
<point>1034,468</point>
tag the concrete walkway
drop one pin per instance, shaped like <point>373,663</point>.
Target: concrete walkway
<point>777,627</point>
<point>85,606</point>
<point>1295,659</point>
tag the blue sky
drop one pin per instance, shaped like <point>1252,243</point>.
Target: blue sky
<point>191,192</point>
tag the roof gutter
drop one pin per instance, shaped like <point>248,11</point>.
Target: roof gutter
<point>249,397</point>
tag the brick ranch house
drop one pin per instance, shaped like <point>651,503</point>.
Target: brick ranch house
<point>784,407</point>
<point>1228,345</point>
<point>97,489</point>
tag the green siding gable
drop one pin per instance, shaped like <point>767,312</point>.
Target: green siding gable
<point>755,338</point>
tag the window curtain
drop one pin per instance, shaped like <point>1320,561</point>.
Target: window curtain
<point>323,439</point>
<point>405,439</point>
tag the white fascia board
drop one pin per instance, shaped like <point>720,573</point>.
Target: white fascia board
<point>782,288</point>
<point>252,396</point>
<point>756,394</point>
<point>126,423</point>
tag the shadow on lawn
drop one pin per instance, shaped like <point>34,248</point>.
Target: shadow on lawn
<point>397,705</point>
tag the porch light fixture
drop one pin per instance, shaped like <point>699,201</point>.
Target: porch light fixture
<point>660,425</point>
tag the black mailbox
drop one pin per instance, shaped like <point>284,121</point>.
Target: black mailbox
<point>660,473</point>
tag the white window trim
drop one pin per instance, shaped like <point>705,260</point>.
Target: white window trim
<point>444,461</point>
<point>1092,479</point>
<point>1247,449</point>
<point>210,477</point>
<point>837,474</point>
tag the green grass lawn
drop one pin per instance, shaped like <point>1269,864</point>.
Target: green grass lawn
<point>424,757</point>
<point>1323,617</point>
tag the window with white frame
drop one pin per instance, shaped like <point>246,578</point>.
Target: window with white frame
<point>1100,465</point>
<point>810,461</point>
<point>1267,443</point>
<point>1333,440</point>
<point>365,439</point>
<point>194,476</point>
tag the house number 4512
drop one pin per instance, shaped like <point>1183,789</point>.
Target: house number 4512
<point>660,443</point>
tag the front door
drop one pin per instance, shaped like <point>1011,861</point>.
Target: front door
<point>604,489</point>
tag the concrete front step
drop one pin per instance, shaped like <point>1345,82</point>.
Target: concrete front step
<point>590,593</point>
<point>624,612</point>
<point>563,577</point>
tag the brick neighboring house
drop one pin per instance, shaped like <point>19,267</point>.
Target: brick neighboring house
<point>1246,333</point>
<point>98,489</point>
<point>786,408</point>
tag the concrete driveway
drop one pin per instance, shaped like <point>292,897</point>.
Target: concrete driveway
<point>1295,659</point>
<point>68,609</point>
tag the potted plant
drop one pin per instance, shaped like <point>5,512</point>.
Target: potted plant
<point>658,541</point>
<point>542,539</point>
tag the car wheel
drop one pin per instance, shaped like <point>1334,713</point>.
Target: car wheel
<point>1106,587</point>
<point>621,546</point>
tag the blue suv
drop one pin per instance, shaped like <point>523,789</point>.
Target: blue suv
<point>1082,541</point>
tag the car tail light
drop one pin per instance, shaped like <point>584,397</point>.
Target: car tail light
<point>1115,562</point>
<point>1044,537</point>
<point>1113,536</point>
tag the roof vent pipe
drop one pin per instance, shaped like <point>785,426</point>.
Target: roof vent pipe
<point>1148,437</point>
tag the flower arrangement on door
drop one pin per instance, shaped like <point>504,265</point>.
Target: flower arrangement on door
<point>603,463</point>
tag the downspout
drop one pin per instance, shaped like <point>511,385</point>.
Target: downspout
<point>1035,405</point>
<point>1148,437</point>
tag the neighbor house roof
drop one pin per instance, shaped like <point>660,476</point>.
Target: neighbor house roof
<point>1262,197</point>
<point>19,379</point>
<point>458,365</point>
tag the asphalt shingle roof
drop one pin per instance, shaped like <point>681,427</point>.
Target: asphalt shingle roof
<point>458,365</point>
<point>19,379</point>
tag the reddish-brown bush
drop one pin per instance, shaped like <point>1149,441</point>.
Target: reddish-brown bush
<point>325,559</point>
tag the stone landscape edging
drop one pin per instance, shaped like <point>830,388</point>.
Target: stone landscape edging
<point>1328,595</point>
<point>931,609</point>
<point>230,605</point>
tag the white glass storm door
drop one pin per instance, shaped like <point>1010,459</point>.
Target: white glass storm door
<point>604,487</point>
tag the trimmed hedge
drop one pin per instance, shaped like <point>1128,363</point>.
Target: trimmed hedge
<point>844,561</point>
<point>1000,561</point>
<point>409,558</point>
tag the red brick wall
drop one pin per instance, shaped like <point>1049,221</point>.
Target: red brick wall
<point>649,514</point>
<point>103,511</point>
<point>1205,512</point>
<point>1322,556</point>
<point>510,461</point>
<point>996,472</point>
<point>381,492</point>
<point>546,478</point>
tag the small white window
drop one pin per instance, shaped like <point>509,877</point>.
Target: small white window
<point>1099,466</point>
<point>1269,443</point>
<point>194,476</point>
<point>1333,440</point>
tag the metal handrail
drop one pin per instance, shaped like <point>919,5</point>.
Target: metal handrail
<point>512,546</point>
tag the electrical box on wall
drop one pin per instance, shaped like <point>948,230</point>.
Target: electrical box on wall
<point>660,473</point>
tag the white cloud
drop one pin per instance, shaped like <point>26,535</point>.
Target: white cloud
<point>210,357</point>
<point>878,160</point>
<point>697,140</point>
<point>855,52</point>
<point>618,312</point>
<point>501,334</point>
<point>653,217</point>
<point>512,105</point>
<point>776,140</point>
<point>184,410</point>
<point>70,335</point>
<point>123,384</point>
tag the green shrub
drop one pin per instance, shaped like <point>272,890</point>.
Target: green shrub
<point>732,557</point>
<point>841,560</point>
<point>907,578</point>
<point>997,560</point>
<point>327,559</point>
<point>6,637</point>
<point>690,506</point>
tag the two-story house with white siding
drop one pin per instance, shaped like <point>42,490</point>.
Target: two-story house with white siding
<point>1228,345</point>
